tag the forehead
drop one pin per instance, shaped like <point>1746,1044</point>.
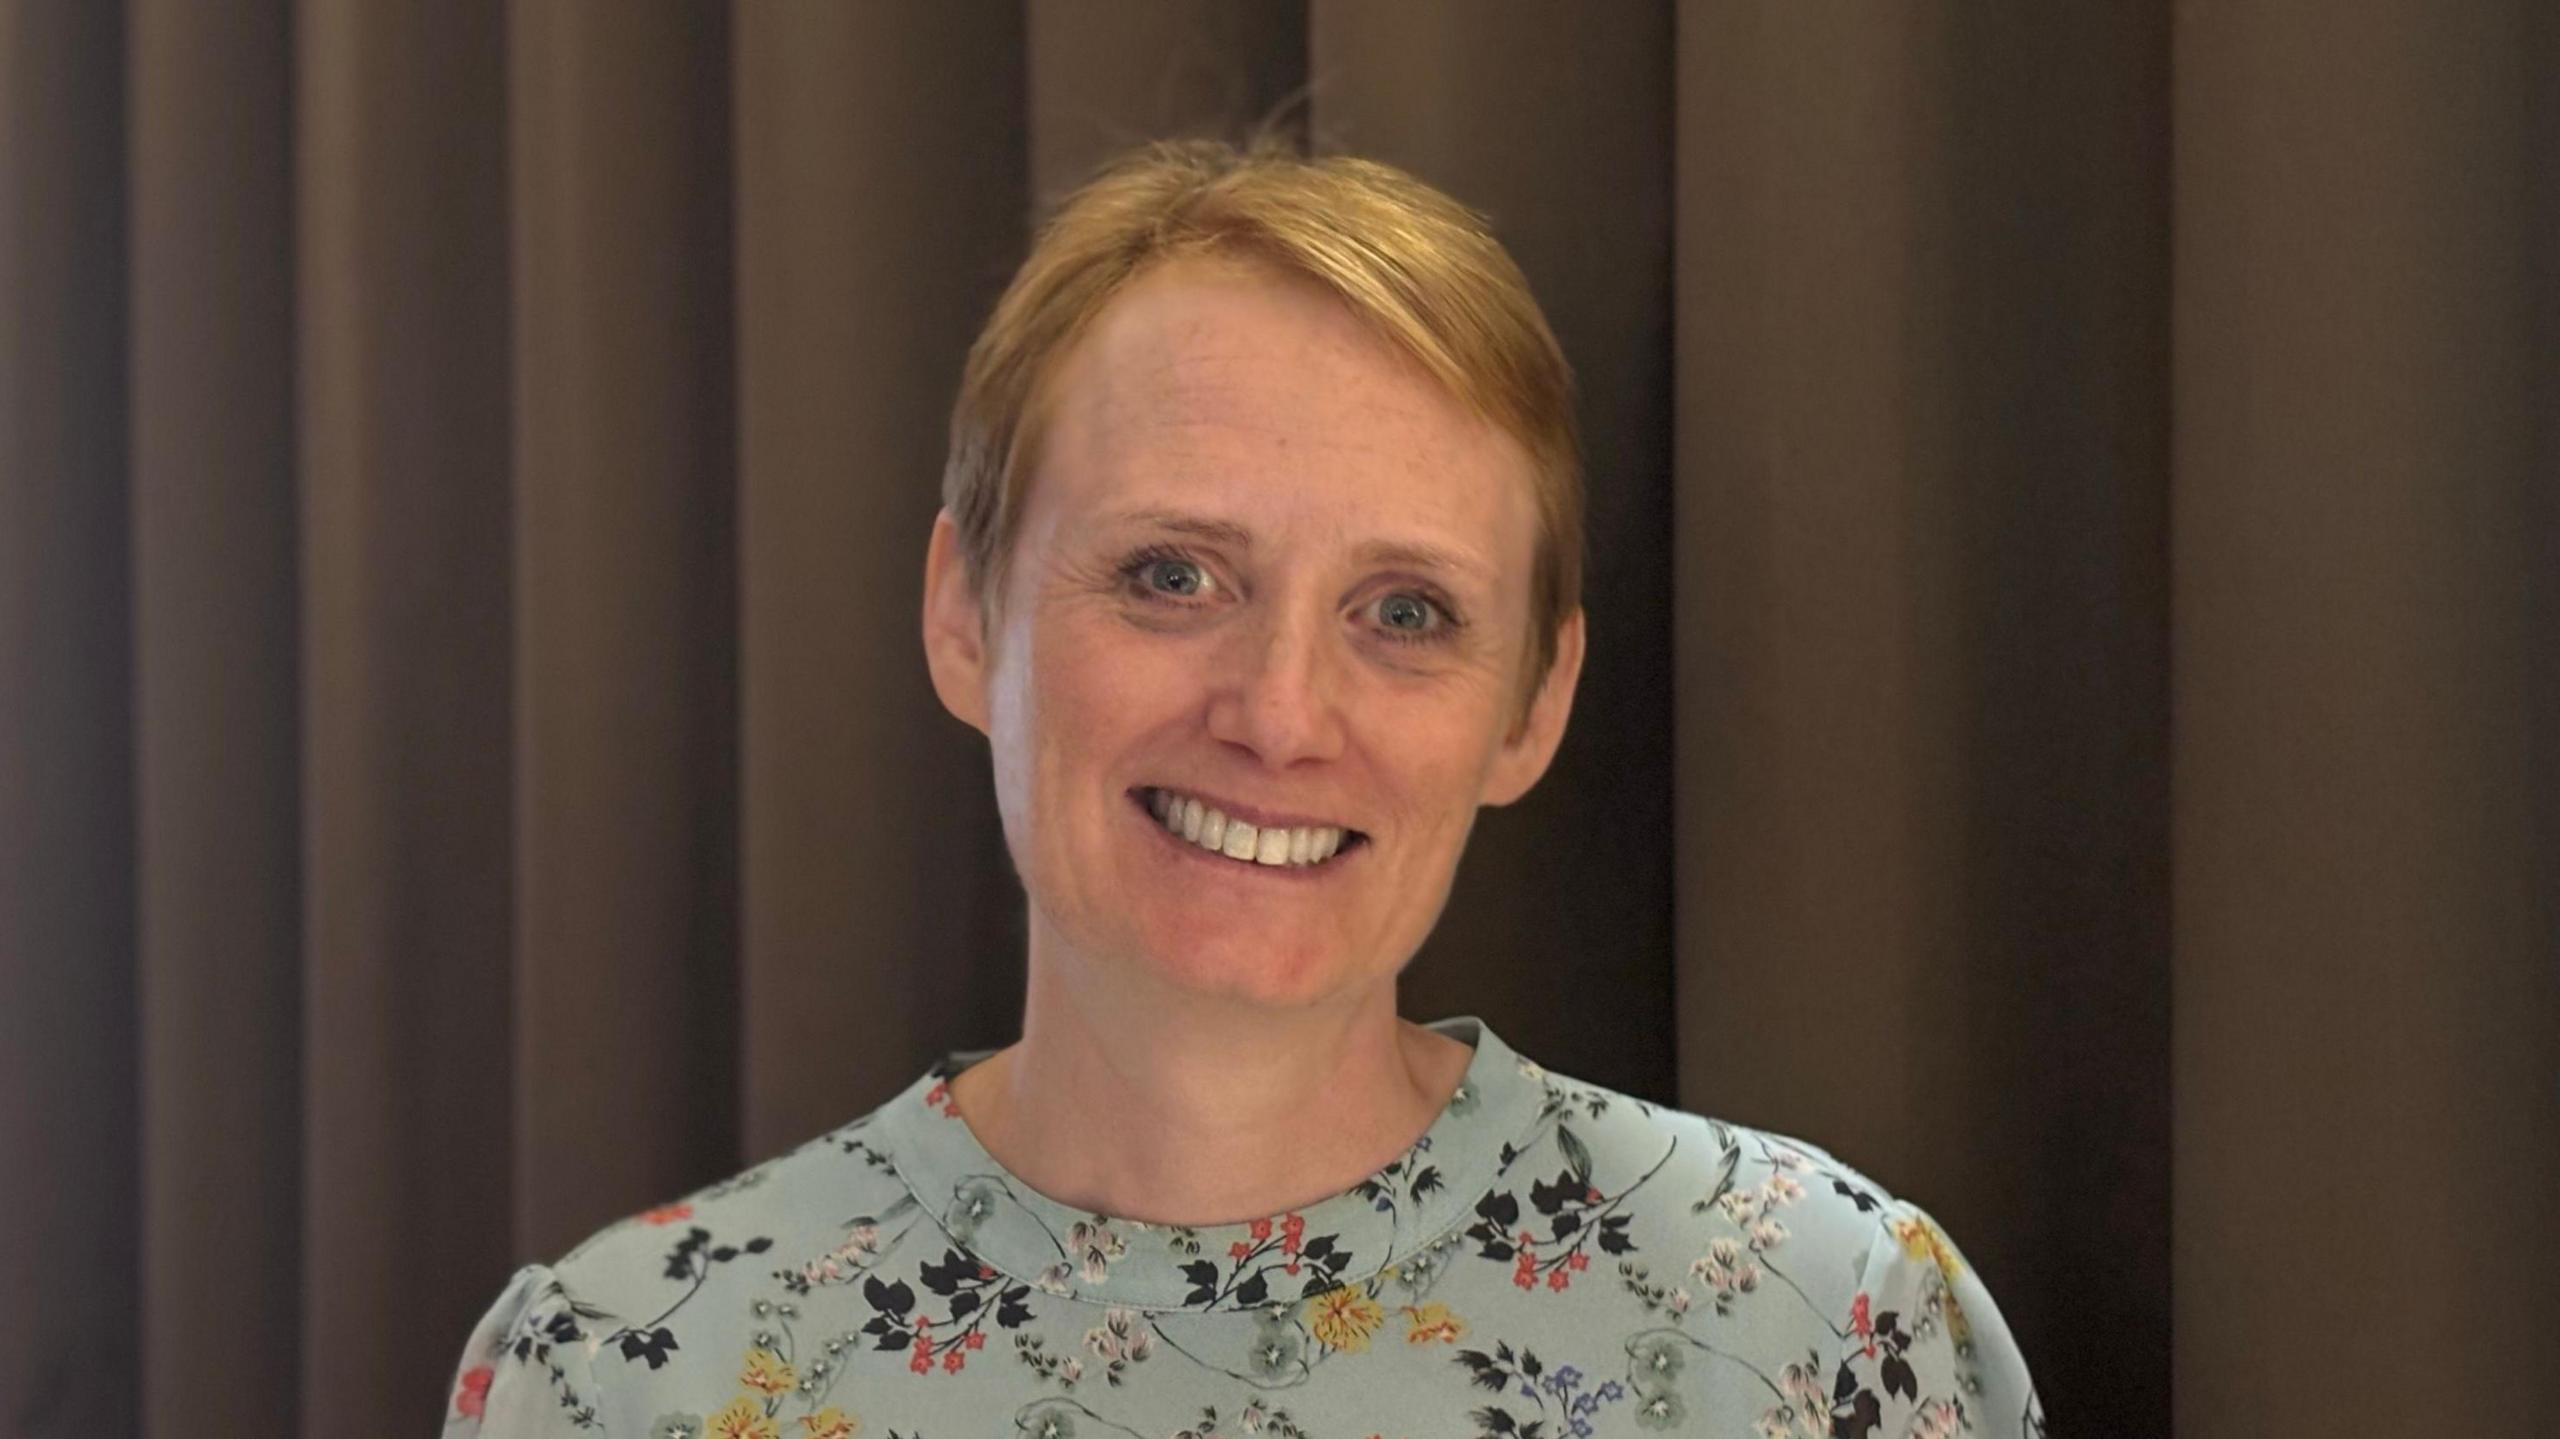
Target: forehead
<point>1226,381</point>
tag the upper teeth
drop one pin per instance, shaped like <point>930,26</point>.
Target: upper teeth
<point>1234,838</point>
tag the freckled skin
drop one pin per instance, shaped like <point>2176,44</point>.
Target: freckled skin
<point>1232,393</point>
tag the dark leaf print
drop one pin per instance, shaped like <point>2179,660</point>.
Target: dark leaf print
<point>894,1299</point>
<point>1318,1247</point>
<point>1495,1421</point>
<point>1859,1419</point>
<point>1253,1291</point>
<point>1202,1273</point>
<point>1485,1372</point>
<point>1011,1312</point>
<point>1613,1235</point>
<point>948,1274</point>
<point>1500,1207</point>
<point>1577,1155</point>
<point>1567,1223</point>
<point>1866,1202</point>
<point>1427,1182</point>
<point>724,1254</point>
<point>758,1245</point>
<point>1550,1197</point>
<point>653,1346</point>
<point>964,1303</point>
<point>1898,1378</point>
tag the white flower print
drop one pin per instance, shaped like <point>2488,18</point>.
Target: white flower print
<point>1094,1246</point>
<point>1767,1234</point>
<point>847,1260</point>
<point>1123,1337</point>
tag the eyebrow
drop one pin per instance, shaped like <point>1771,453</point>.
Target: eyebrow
<point>1413,554</point>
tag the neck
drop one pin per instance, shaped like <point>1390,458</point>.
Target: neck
<point>1177,1108</point>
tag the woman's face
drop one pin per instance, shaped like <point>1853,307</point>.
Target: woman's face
<point>1265,565</point>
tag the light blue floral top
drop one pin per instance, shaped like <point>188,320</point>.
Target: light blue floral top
<point>1549,1259</point>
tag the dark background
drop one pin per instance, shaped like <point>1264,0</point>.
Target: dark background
<point>2073,720</point>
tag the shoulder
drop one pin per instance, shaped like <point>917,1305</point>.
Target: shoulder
<point>1717,1213</point>
<point>1703,1203</point>
<point>702,1249</point>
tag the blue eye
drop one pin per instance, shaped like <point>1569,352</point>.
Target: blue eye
<point>1410,619</point>
<point>1174,577</point>
<point>1405,612</point>
<point>1157,573</point>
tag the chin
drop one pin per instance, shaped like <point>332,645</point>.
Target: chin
<point>1284,977</point>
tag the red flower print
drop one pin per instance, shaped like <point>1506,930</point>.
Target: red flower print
<point>667,1214</point>
<point>1239,1250</point>
<point>952,1360</point>
<point>986,1271</point>
<point>1557,1279</point>
<point>1527,1239</point>
<point>471,1396</point>
<point>1525,1277</point>
<point>1262,1229</point>
<point>1861,1325</point>
<point>1591,1196</point>
<point>1579,1260</point>
<point>922,1363</point>
<point>977,1340</point>
<point>1293,1266</point>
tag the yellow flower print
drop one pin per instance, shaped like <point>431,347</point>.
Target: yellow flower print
<point>1344,1318</point>
<point>766,1373</point>
<point>743,1419</point>
<point>1924,1240</point>
<point>1432,1323</point>
<point>829,1423</point>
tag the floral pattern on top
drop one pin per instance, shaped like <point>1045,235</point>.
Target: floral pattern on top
<point>1548,1260</point>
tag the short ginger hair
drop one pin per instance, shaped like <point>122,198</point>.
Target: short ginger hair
<point>1420,269</point>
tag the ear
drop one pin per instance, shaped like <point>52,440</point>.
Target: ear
<point>1532,744</point>
<point>955,637</point>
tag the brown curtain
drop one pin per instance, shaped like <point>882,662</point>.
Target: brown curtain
<point>2073,721</point>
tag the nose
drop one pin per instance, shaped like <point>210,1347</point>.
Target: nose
<point>1278,693</point>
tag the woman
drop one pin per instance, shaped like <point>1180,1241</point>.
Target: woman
<point>1258,568</point>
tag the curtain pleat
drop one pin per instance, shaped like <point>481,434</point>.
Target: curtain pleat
<point>2367,563</point>
<point>879,212</point>
<point>2072,721</point>
<point>68,1103</point>
<point>1922,619</point>
<point>408,757</point>
<point>217,748</point>
<point>1577,179</point>
<point>625,622</point>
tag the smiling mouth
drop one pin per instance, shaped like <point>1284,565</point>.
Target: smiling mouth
<point>1213,831</point>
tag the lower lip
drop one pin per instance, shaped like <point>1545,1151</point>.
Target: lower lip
<point>1241,869</point>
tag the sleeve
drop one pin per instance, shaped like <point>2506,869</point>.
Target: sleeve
<point>525,1372</point>
<point>1925,1352</point>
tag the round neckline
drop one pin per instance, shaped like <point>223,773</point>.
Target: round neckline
<point>998,1220</point>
